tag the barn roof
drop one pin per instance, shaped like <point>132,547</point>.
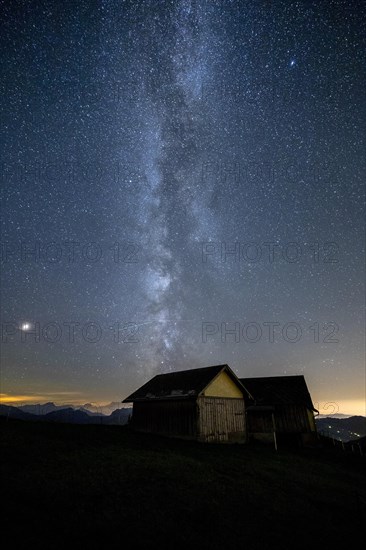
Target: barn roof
<point>279,390</point>
<point>180,384</point>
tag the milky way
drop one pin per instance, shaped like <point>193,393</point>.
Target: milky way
<point>183,185</point>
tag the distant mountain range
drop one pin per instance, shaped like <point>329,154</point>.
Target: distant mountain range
<point>52,413</point>
<point>103,409</point>
<point>336,415</point>
<point>345,429</point>
<point>88,408</point>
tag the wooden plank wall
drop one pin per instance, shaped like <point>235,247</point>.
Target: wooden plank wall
<point>288,419</point>
<point>221,419</point>
<point>292,418</point>
<point>175,418</point>
<point>260,422</point>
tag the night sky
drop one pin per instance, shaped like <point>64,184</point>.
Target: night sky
<point>182,186</point>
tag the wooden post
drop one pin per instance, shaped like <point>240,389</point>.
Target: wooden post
<point>274,432</point>
<point>247,427</point>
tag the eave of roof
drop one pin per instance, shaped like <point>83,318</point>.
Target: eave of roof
<point>185,384</point>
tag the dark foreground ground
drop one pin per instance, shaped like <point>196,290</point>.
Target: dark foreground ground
<point>86,486</point>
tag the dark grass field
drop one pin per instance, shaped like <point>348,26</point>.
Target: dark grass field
<point>98,486</point>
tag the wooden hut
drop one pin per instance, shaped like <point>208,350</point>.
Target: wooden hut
<point>205,404</point>
<point>282,409</point>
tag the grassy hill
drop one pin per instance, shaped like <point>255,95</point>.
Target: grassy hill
<point>343,429</point>
<point>82,485</point>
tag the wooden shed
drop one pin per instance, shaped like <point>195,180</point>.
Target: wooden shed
<point>205,404</point>
<point>282,409</point>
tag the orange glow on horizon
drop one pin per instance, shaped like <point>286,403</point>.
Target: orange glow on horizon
<point>6,399</point>
<point>351,407</point>
<point>57,398</point>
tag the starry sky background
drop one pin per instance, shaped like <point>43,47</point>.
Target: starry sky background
<point>151,129</point>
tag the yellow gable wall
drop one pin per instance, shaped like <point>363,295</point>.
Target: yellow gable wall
<point>223,386</point>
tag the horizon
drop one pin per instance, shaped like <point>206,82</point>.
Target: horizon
<point>324,407</point>
<point>357,411</point>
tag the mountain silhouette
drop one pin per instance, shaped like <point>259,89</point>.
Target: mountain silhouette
<point>344,429</point>
<point>67,415</point>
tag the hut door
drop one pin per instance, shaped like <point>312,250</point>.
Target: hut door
<point>214,425</point>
